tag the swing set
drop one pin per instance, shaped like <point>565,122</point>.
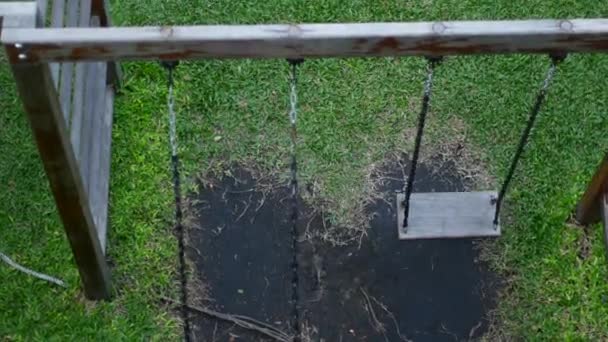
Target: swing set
<point>67,74</point>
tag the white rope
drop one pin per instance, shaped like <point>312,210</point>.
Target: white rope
<point>25,270</point>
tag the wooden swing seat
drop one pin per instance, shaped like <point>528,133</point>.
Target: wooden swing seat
<point>447,215</point>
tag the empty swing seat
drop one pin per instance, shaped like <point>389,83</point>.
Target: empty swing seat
<point>440,215</point>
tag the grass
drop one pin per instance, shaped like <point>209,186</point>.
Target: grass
<point>353,113</point>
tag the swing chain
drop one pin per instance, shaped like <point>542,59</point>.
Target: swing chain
<point>170,66</point>
<point>293,117</point>
<point>433,62</point>
<point>540,98</point>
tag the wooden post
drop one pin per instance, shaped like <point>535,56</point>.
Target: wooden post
<point>42,6</point>
<point>41,102</point>
<point>101,9</point>
<point>604,210</point>
<point>588,210</point>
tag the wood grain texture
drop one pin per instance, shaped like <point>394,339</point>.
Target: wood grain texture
<point>67,68</point>
<point>80,76</point>
<point>91,92</point>
<point>102,194</point>
<point>588,210</point>
<point>101,9</point>
<point>441,215</point>
<point>42,9</point>
<point>86,128</point>
<point>57,13</point>
<point>315,40</point>
<point>604,210</point>
<point>41,103</point>
<point>98,128</point>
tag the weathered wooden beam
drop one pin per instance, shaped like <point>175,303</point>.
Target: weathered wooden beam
<point>41,103</point>
<point>604,210</point>
<point>86,128</point>
<point>57,13</point>
<point>97,112</point>
<point>101,9</point>
<point>79,86</point>
<point>42,8</point>
<point>448,215</point>
<point>309,40</point>
<point>67,68</point>
<point>102,187</point>
<point>588,210</point>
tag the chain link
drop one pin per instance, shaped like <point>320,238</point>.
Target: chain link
<point>408,187</point>
<point>293,96</point>
<point>555,60</point>
<point>293,116</point>
<point>170,66</point>
<point>172,119</point>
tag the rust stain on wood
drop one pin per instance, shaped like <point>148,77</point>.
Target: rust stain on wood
<point>386,44</point>
<point>592,43</point>
<point>93,51</point>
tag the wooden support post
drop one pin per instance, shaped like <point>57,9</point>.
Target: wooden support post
<point>604,210</point>
<point>588,210</point>
<point>57,12</point>
<point>82,210</point>
<point>41,103</point>
<point>42,7</point>
<point>101,9</point>
<point>43,109</point>
<point>67,68</point>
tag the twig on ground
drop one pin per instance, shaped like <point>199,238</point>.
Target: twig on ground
<point>474,329</point>
<point>214,332</point>
<point>261,202</point>
<point>260,205</point>
<point>392,316</point>
<point>248,204</point>
<point>25,270</point>
<point>239,191</point>
<point>373,319</point>
<point>312,217</point>
<point>242,321</point>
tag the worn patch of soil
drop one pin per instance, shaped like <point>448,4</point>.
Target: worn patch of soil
<point>382,289</point>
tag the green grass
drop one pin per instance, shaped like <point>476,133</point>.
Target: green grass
<point>352,112</point>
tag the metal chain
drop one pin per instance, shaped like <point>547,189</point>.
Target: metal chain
<point>293,117</point>
<point>170,66</point>
<point>555,60</point>
<point>428,87</point>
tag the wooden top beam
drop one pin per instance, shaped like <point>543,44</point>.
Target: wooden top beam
<point>307,40</point>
